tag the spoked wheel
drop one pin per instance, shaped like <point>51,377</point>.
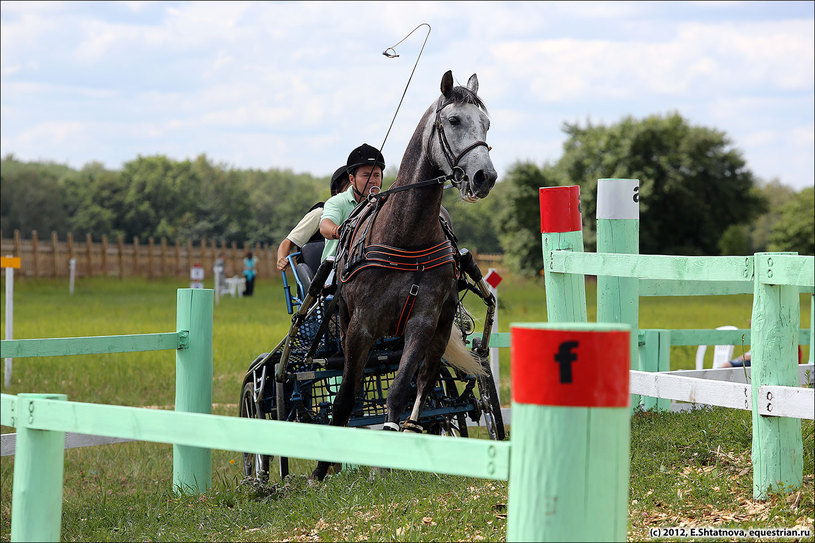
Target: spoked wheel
<point>453,425</point>
<point>255,466</point>
<point>489,404</point>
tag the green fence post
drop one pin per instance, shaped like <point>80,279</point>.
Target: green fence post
<point>571,427</point>
<point>562,230</point>
<point>655,355</point>
<point>777,445</point>
<point>36,502</point>
<point>618,231</point>
<point>192,466</point>
<point>811,328</point>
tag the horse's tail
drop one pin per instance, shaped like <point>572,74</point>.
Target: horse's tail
<point>460,357</point>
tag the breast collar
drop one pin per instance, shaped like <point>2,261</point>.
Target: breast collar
<point>362,254</point>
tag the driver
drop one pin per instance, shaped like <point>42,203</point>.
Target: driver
<point>364,167</point>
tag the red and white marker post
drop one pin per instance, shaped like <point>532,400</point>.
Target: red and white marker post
<point>571,431</point>
<point>9,264</point>
<point>493,278</point>
<point>562,230</point>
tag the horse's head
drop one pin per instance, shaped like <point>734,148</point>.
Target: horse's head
<point>461,124</point>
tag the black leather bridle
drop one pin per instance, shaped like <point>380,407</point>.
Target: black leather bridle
<point>447,150</point>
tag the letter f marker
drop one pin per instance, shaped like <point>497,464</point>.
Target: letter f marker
<point>565,357</point>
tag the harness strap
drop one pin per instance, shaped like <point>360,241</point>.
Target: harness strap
<point>411,299</point>
<point>384,256</point>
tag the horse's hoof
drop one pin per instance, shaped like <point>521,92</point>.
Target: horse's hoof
<point>316,477</point>
<point>412,427</point>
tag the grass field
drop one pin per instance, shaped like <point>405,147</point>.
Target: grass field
<point>686,468</point>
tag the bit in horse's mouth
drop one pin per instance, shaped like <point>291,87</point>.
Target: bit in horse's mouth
<point>467,194</point>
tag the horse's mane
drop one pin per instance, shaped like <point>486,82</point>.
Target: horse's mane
<point>462,95</point>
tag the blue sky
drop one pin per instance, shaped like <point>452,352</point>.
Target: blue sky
<point>298,85</point>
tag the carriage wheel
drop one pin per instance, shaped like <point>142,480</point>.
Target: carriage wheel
<point>255,466</point>
<point>454,425</point>
<point>489,404</point>
<point>282,413</point>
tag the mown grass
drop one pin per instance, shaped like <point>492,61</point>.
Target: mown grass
<point>685,468</point>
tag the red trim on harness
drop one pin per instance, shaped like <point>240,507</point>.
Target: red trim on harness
<point>403,318</point>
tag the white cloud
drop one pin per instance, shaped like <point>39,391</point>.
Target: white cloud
<point>308,79</point>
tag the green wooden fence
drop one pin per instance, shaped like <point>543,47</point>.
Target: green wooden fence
<point>42,420</point>
<point>775,280</point>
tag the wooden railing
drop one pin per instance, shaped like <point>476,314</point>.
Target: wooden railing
<point>151,258</point>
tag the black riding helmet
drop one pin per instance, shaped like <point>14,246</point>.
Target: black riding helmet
<point>364,155</point>
<point>339,178</point>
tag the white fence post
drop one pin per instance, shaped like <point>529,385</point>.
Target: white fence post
<point>9,263</point>
<point>72,266</point>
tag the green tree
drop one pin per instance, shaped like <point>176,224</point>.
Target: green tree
<point>795,229</point>
<point>32,196</point>
<point>475,223</point>
<point>693,184</point>
<point>94,199</point>
<point>777,195</point>
<point>279,199</point>
<point>518,217</point>
<point>157,188</point>
<point>221,211</point>
<point>735,240</point>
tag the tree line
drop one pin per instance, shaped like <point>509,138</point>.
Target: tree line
<point>697,196</point>
<point>155,196</point>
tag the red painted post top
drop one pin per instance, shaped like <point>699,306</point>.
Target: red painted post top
<point>575,368</point>
<point>493,278</point>
<point>560,209</point>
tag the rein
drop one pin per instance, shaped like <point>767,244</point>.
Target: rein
<point>454,178</point>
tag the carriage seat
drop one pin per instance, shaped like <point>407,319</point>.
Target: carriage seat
<point>310,254</point>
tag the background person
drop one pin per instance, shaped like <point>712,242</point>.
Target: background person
<point>249,273</point>
<point>308,229</point>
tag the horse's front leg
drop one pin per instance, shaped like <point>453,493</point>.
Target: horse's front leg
<point>417,340</point>
<point>358,342</point>
<point>426,379</point>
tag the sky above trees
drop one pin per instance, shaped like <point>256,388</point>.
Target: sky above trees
<point>297,85</point>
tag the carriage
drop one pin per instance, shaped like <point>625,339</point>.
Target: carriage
<point>298,379</point>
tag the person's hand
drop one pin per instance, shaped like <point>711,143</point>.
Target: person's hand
<point>282,263</point>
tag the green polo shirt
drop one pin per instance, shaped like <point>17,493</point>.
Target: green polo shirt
<point>337,208</point>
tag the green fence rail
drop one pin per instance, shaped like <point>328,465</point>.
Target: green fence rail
<point>23,348</point>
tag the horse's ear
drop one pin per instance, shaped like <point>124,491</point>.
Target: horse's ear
<point>472,83</point>
<point>447,83</point>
